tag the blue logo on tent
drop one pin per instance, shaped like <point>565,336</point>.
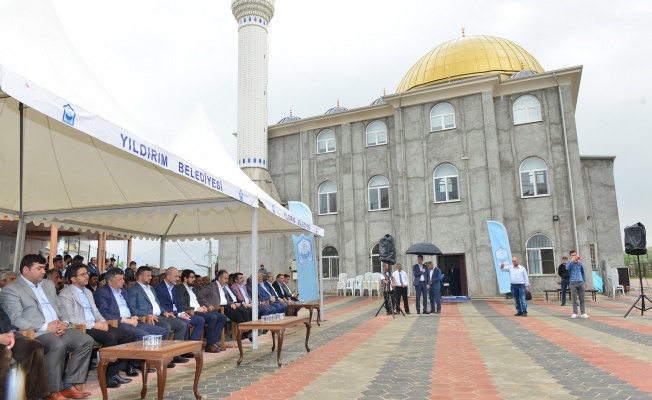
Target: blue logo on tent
<point>241,195</point>
<point>68,115</point>
<point>304,249</point>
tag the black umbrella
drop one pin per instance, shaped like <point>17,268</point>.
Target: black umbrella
<point>428,249</point>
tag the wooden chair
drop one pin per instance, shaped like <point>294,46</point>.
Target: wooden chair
<point>234,325</point>
<point>149,319</point>
<point>192,328</point>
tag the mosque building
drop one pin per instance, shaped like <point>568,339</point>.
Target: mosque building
<point>476,131</point>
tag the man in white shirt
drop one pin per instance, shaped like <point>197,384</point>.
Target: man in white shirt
<point>520,285</point>
<point>400,288</point>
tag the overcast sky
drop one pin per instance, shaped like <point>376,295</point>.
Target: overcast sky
<point>159,58</point>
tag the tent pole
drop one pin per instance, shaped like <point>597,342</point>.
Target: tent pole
<point>20,234</point>
<point>129,248</point>
<point>161,263</point>
<point>321,277</point>
<point>254,271</point>
<point>54,232</point>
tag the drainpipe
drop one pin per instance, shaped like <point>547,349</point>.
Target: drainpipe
<point>568,165</point>
<point>300,163</point>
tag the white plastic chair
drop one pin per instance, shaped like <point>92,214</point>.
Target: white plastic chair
<point>375,283</point>
<point>358,285</point>
<point>341,284</point>
<point>615,288</point>
<point>366,283</point>
<point>350,285</point>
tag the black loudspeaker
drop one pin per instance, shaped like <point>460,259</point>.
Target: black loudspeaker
<point>387,250</point>
<point>635,243</point>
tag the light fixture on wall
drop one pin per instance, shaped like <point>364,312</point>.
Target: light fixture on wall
<point>555,217</point>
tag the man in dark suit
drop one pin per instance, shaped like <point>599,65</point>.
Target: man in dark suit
<point>215,321</point>
<point>244,297</point>
<point>419,273</point>
<point>80,306</point>
<point>143,301</point>
<point>168,296</point>
<point>283,293</point>
<point>92,266</point>
<point>434,287</point>
<point>267,294</point>
<point>28,354</point>
<point>215,294</point>
<point>455,280</point>
<point>112,301</point>
<point>31,304</point>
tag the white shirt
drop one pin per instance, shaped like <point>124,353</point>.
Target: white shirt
<point>400,277</point>
<point>517,275</point>
<point>152,299</point>
<point>422,278</point>
<point>193,298</point>
<point>223,301</point>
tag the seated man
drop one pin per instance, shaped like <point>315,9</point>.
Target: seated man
<point>28,354</point>
<point>295,296</point>
<point>6,277</point>
<point>143,302</point>
<point>168,296</point>
<point>215,321</point>
<point>112,302</point>
<point>215,294</point>
<point>54,277</point>
<point>31,304</point>
<point>80,306</point>
<point>240,291</point>
<point>282,290</point>
<point>267,293</point>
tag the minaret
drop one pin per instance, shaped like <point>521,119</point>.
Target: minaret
<point>253,18</point>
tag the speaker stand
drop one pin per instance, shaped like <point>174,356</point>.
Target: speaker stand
<point>642,296</point>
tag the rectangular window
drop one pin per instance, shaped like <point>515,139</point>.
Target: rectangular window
<point>323,203</point>
<point>594,265</point>
<point>375,263</point>
<point>332,202</point>
<point>440,190</point>
<point>382,138</point>
<point>534,114</point>
<point>331,145</point>
<point>335,267</point>
<point>534,262</point>
<point>321,147</point>
<point>373,199</point>
<point>384,198</point>
<point>437,123</point>
<point>452,189</point>
<point>548,261</point>
<point>371,139</point>
<point>520,116</point>
<point>527,186</point>
<point>449,121</point>
<point>542,182</point>
<point>325,266</point>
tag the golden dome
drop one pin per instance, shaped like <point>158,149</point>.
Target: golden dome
<point>466,57</point>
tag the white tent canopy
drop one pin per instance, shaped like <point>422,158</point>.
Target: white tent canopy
<point>89,166</point>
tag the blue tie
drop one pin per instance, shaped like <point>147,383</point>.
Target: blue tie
<point>400,277</point>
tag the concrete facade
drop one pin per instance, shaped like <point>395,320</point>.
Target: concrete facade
<point>485,147</point>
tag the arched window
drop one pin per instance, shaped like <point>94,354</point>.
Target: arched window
<point>374,256</point>
<point>327,198</point>
<point>540,255</point>
<point>376,133</point>
<point>446,185</point>
<point>378,193</point>
<point>442,116</point>
<point>527,109</point>
<point>326,141</point>
<point>534,177</point>
<point>330,261</point>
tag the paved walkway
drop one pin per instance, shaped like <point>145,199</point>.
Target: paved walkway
<point>476,350</point>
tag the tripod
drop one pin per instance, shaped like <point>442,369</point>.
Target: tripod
<point>642,296</point>
<point>389,302</point>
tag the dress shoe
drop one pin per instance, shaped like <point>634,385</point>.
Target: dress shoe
<point>131,370</point>
<point>426,312</point>
<point>171,365</point>
<point>518,314</point>
<point>111,383</point>
<point>120,379</point>
<point>74,393</point>
<point>407,312</point>
<point>56,396</point>
<point>418,312</point>
<point>211,348</point>
<point>179,360</point>
<point>188,355</point>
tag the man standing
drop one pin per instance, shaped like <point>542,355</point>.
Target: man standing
<point>434,287</point>
<point>31,304</point>
<point>577,283</point>
<point>401,281</point>
<point>168,297</point>
<point>28,354</point>
<point>520,284</point>
<point>419,272</point>
<point>92,267</point>
<point>214,319</point>
<point>262,270</point>
<point>564,275</point>
<point>80,306</point>
<point>387,283</point>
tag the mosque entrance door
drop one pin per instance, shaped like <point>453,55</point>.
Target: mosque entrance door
<point>454,266</point>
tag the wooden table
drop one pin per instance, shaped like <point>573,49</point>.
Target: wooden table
<point>158,358</point>
<point>312,305</point>
<point>276,327</point>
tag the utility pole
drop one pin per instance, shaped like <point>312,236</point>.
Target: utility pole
<point>209,255</point>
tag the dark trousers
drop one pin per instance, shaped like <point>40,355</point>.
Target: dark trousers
<point>435,297</point>
<point>564,289</point>
<point>215,324</point>
<point>420,290</point>
<point>174,325</point>
<point>30,357</point>
<point>196,322</point>
<point>237,315</point>
<point>143,330</point>
<point>401,292</point>
<point>388,296</point>
<point>112,337</point>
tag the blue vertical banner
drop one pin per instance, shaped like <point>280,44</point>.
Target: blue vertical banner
<point>304,254</point>
<point>501,252</point>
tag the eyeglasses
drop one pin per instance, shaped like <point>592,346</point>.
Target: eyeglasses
<point>84,274</point>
